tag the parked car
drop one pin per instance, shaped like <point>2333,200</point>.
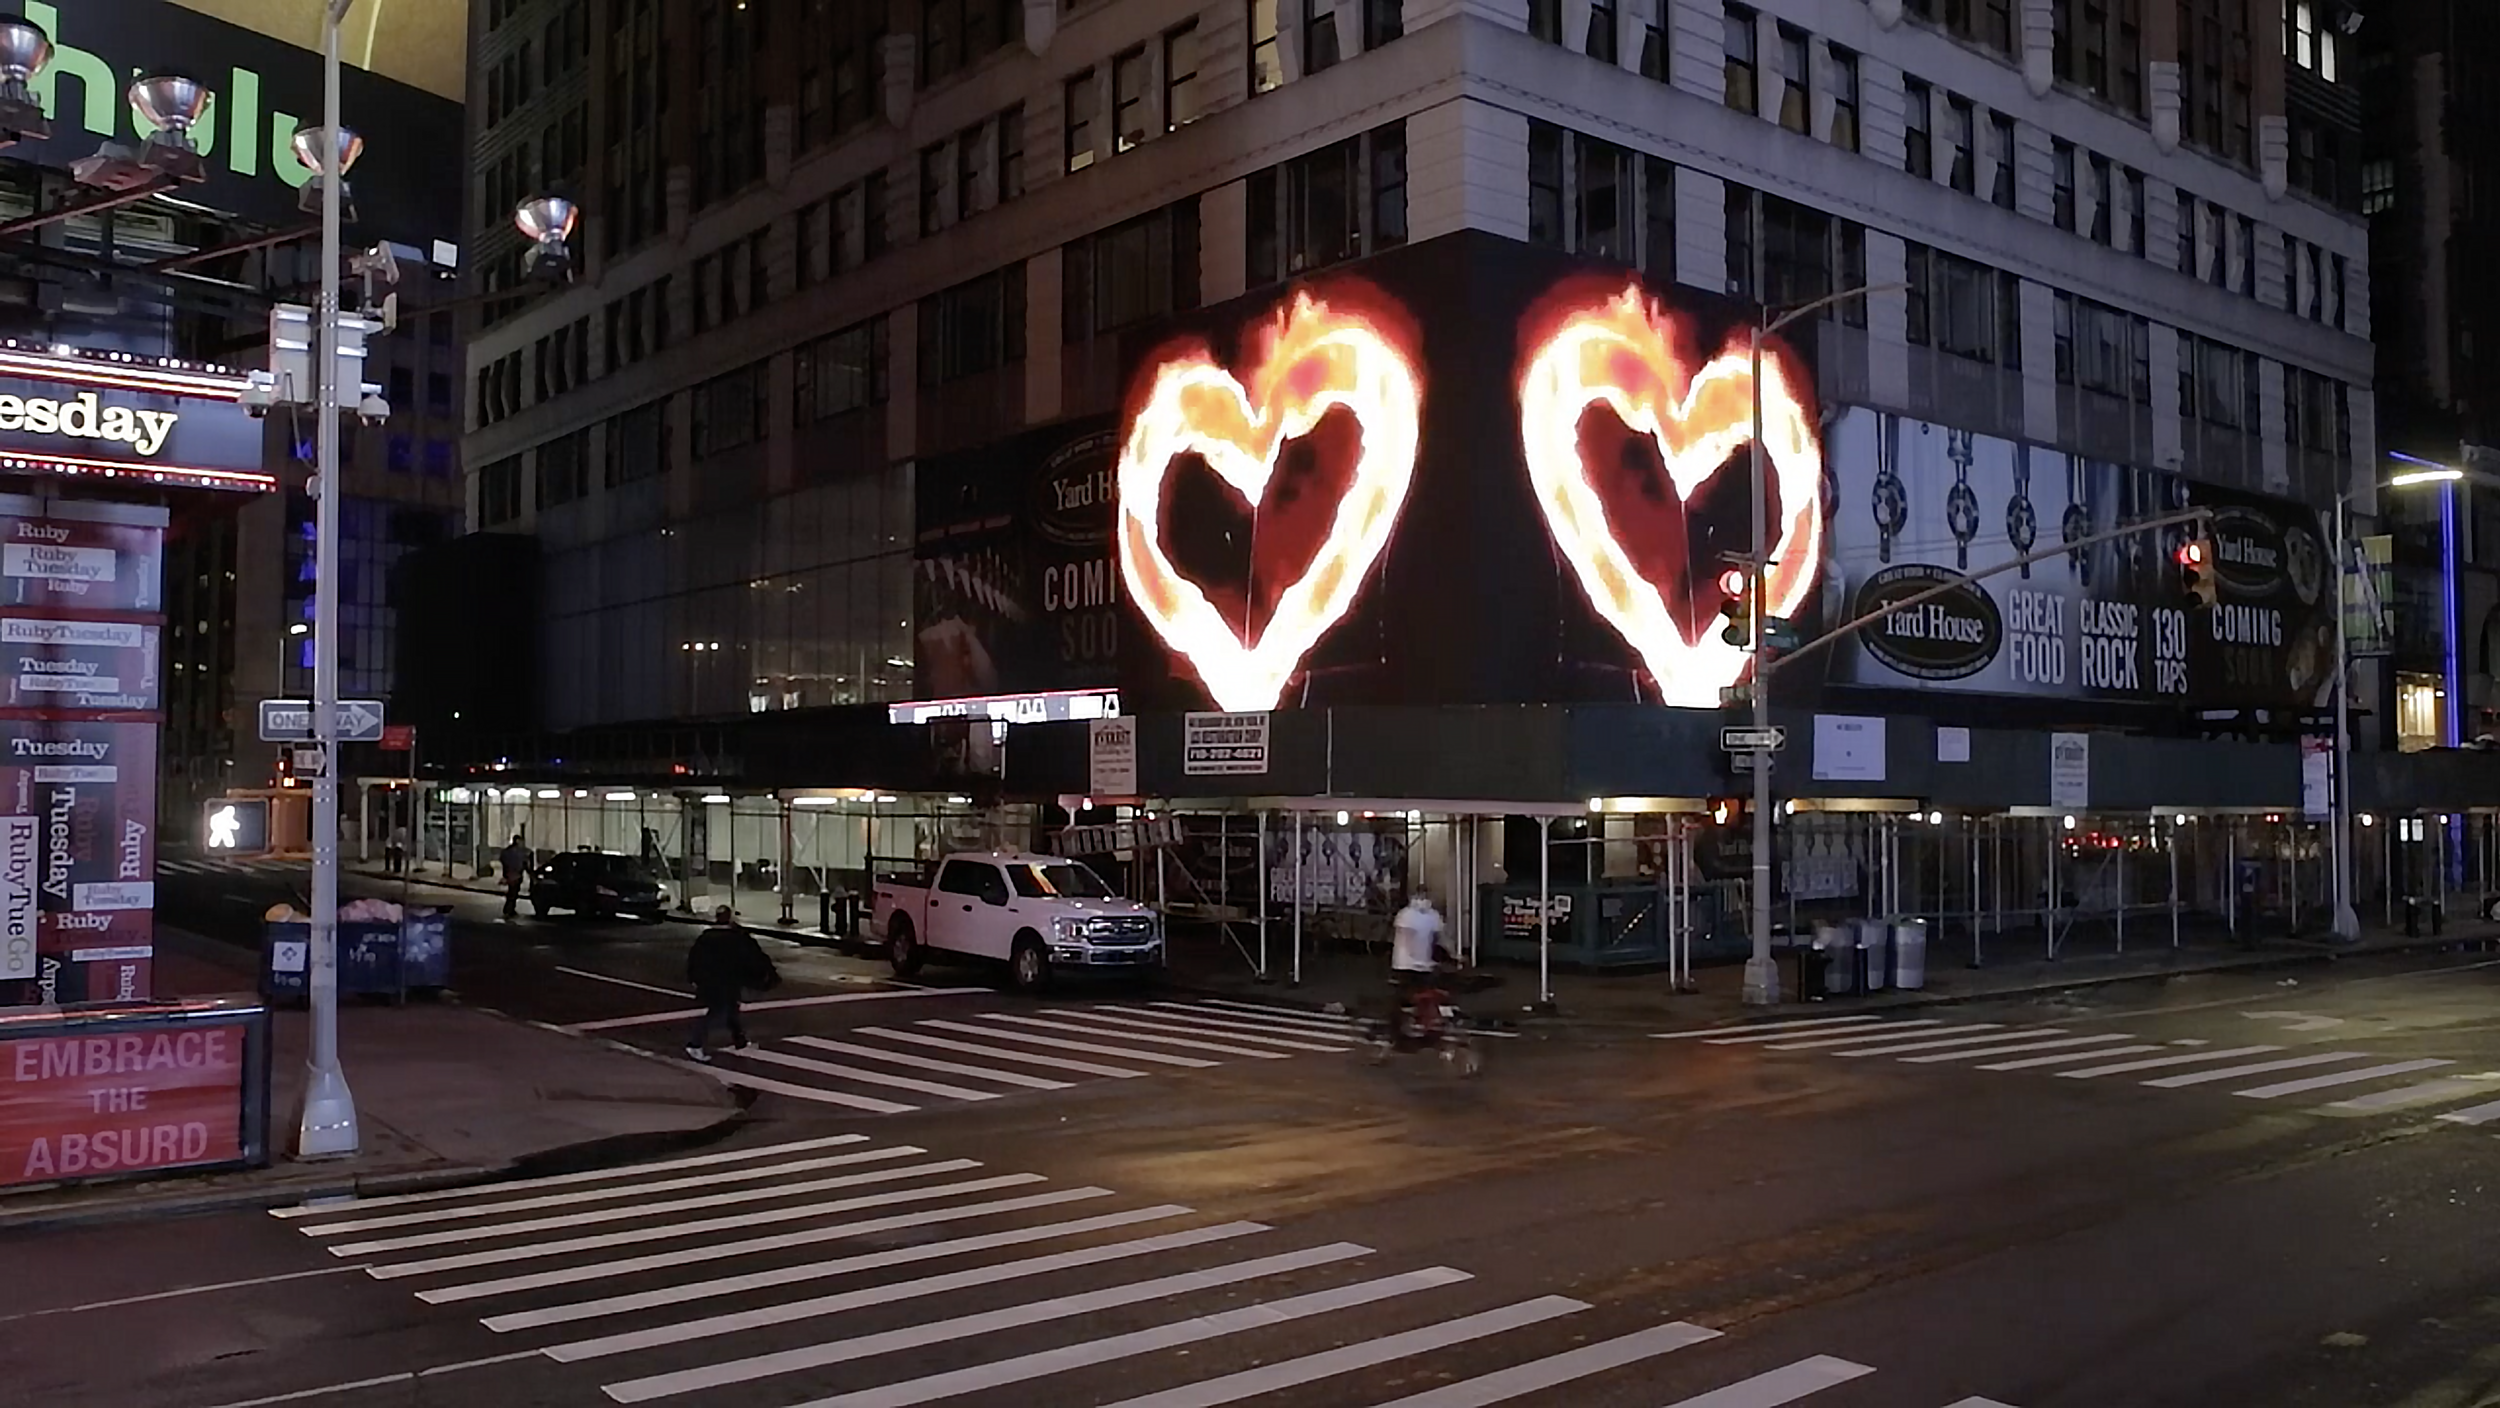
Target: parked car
<point>1034,914</point>
<point>598,883</point>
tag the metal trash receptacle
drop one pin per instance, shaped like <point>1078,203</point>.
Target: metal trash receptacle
<point>1840,959</point>
<point>1909,954</point>
<point>1874,953</point>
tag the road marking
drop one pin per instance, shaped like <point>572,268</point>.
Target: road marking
<point>1151,1022</point>
<point>1023,1368</point>
<point>1221,1023</point>
<point>1319,1024</point>
<point>645,1211</point>
<point>2288,1063</point>
<point>738,1321</point>
<point>823,1270</point>
<point>2296,1021</point>
<point>385,1381</point>
<point>1739,1028</point>
<point>2130,1067</point>
<point>528,1251</point>
<point>1979,1403</point>
<point>324,1206</point>
<point>2295,1087</point>
<point>1310,1368</point>
<point>1030,1058</point>
<point>679,993</point>
<point>2431,1092</point>
<point>599,1195</point>
<point>795,1091</point>
<point>865,1077</point>
<point>1786,1385</point>
<point>1062,1044</point>
<point>120,1301</point>
<point>1519,1380</point>
<point>930,1063</point>
<point>1184,1043</point>
<point>2065,1057</point>
<point>1895,1031</point>
<point>2018,1048</point>
<point>1941,1043</point>
<point>1280,1014</point>
<point>962,1327</point>
<point>2479,1114</point>
<point>721,1251</point>
<point>654,1019</point>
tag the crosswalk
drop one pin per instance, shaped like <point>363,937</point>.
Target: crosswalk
<point>2343,1079</point>
<point>841,1272</point>
<point>909,1065</point>
<point>230,865</point>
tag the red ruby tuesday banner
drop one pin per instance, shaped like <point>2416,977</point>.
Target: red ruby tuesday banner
<point>89,1106</point>
<point>87,793</point>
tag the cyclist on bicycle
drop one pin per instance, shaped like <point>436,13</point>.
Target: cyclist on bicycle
<point>1414,950</point>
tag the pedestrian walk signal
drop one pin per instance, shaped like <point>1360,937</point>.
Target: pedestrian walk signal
<point>2196,569</point>
<point>1736,585</point>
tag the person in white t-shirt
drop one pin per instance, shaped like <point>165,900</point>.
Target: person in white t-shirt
<point>1415,947</point>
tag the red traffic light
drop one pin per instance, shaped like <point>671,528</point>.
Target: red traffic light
<point>2192,553</point>
<point>1735,583</point>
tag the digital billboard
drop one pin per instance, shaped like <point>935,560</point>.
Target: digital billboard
<point>422,43</point>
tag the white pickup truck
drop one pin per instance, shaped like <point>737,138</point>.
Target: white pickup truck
<point>1032,913</point>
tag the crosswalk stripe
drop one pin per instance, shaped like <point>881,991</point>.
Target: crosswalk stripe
<point>1029,1058</point>
<point>1799,1023</point>
<point>1869,1038</point>
<point>1519,1380</point>
<point>2479,1114</point>
<point>2296,1087</point>
<point>1023,1368</point>
<point>796,1091</point>
<point>2429,1092</point>
<point>598,1195</point>
<point>920,1336</point>
<point>931,1063</point>
<point>2096,1054</point>
<point>528,1251</point>
<point>1323,1029</point>
<point>330,1206</point>
<point>865,1076</point>
<point>1941,1043</point>
<point>1163,1058</point>
<point>2131,1067</point>
<point>2015,1047</point>
<point>1310,1368</point>
<point>1875,1033</point>
<point>1979,1403</point>
<point>645,1211</point>
<point>787,1312</point>
<point>1151,1022</point>
<point>825,1270</point>
<point>2288,1063</point>
<point>1783,1385</point>
<point>1259,1009</point>
<point>778,1242</point>
<point>1082,1029</point>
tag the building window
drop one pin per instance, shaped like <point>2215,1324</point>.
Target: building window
<point>2104,219</point>
<point>1010,153</point>
<point>1345,200</point>
<point>728,411</point>
<point>969,145</point>
<point>1603,35</point>
<point>1083,100</point>
<point>1134,272</point>
<point>1545,184</point>
<point>2378,186</point>
<point>1918,149</point>
<point>1844,98</point>
<point>2245,251</point>
<point>2001,153</point>
<point>1383,22</point>
<point>637,444</point>
<point>2217,247</point>
<point>840,372</point>
<point>1960,122</point>
<point>499,492</point>
<point>1601,206</point>
<point>977,326</point>
<point>1181,102</point>
<point>1128,100</point>
<point>1658,220</point>
<point>2335,291</point>
<point>1653,50</point>
<point>1796,98</point>
<point>2291,275</point>
<point>1783,254</point>
<point>1963,308</point>
<point>932,188</point>
<point>1545,20</point>
<point>1267,56</point>
<point>2317,283</point>
<point>1388,185</point>
<point>2134,185</point>
<point>2062,184</point>
<point>1741,71</point>
<point>1319,36</point>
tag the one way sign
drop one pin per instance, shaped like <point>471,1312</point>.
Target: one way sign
<point>1754,740</point>
<point>291,721</point>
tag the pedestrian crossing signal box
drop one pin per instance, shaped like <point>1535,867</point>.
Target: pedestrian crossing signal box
<point>235,826</point>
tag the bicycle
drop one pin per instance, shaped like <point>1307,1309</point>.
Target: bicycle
<point>1426,1020</point>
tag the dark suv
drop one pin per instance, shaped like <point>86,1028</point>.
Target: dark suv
<point>597,883</point>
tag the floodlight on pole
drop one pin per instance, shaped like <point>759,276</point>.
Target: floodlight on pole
<point>171,104</point>
<point>24,51</point>
<point>329,153</point>
<point>547,221</point>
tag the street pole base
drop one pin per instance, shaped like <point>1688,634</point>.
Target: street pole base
<point>1762,983</point>
<point>327,1128</point>
<point>2347,928</point>
<point>1543,1007</point>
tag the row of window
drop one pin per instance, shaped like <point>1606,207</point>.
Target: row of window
<point>956,34</point>
<point>727,412</point>
<point>1603,39</point>
<point>562,359</point>
<point>842,231</point>
<point>732,281</point>
<point>1132,273</point>
<point>1135,113</point>
<point>1315,33</point>
<point>1594,198</point>
<point>731,38</point>
<point>1341,202</point>
<point>981,168</point>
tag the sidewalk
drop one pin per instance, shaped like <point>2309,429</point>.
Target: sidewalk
<point>445,1095</point>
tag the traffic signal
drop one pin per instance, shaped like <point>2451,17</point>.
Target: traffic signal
<point>1736,586</point>
<point>2196,569</point>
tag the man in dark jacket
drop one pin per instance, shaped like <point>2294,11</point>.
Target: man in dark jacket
<point>516,872</point>
<point>724,962</point>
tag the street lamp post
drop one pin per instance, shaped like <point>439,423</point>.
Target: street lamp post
<point>2347,923</point>
<point>1762,978</point>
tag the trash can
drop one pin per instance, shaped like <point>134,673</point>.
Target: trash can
<point>1839,957</point>
<point>425,950</point>
<point>1874,954</point>
<point>1909,954</point>
<point>1811,963</point>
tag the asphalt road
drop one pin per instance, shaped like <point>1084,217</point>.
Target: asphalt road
<point>1117,1198</point>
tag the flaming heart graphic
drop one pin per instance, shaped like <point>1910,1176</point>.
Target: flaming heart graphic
<point>1313,359</point>
<point>1622,350</point>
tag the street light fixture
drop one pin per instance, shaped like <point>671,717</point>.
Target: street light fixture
<point>548,221</point>
<point>171,103</point>
<point>24,50</point>
<point>322,151</point>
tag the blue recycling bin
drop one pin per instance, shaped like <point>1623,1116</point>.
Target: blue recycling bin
<point>425,949</point>
<point>375,959</point>
<point>369,960</point>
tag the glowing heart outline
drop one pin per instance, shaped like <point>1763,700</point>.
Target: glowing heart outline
<point>1197,405</point>
<point>1631,331</point>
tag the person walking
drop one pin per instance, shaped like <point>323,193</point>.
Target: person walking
<point>723,963</point>
<point>1414,949</point>
<point>395,853</point>
<point>516,869</point>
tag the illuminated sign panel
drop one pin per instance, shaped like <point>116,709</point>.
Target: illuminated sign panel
<point>116,416</point>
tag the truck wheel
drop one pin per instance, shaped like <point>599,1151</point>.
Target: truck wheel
<point>902,949</point>
<point>1028,965</point>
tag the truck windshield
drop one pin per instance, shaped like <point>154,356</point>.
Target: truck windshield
<point>1062,880</point>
